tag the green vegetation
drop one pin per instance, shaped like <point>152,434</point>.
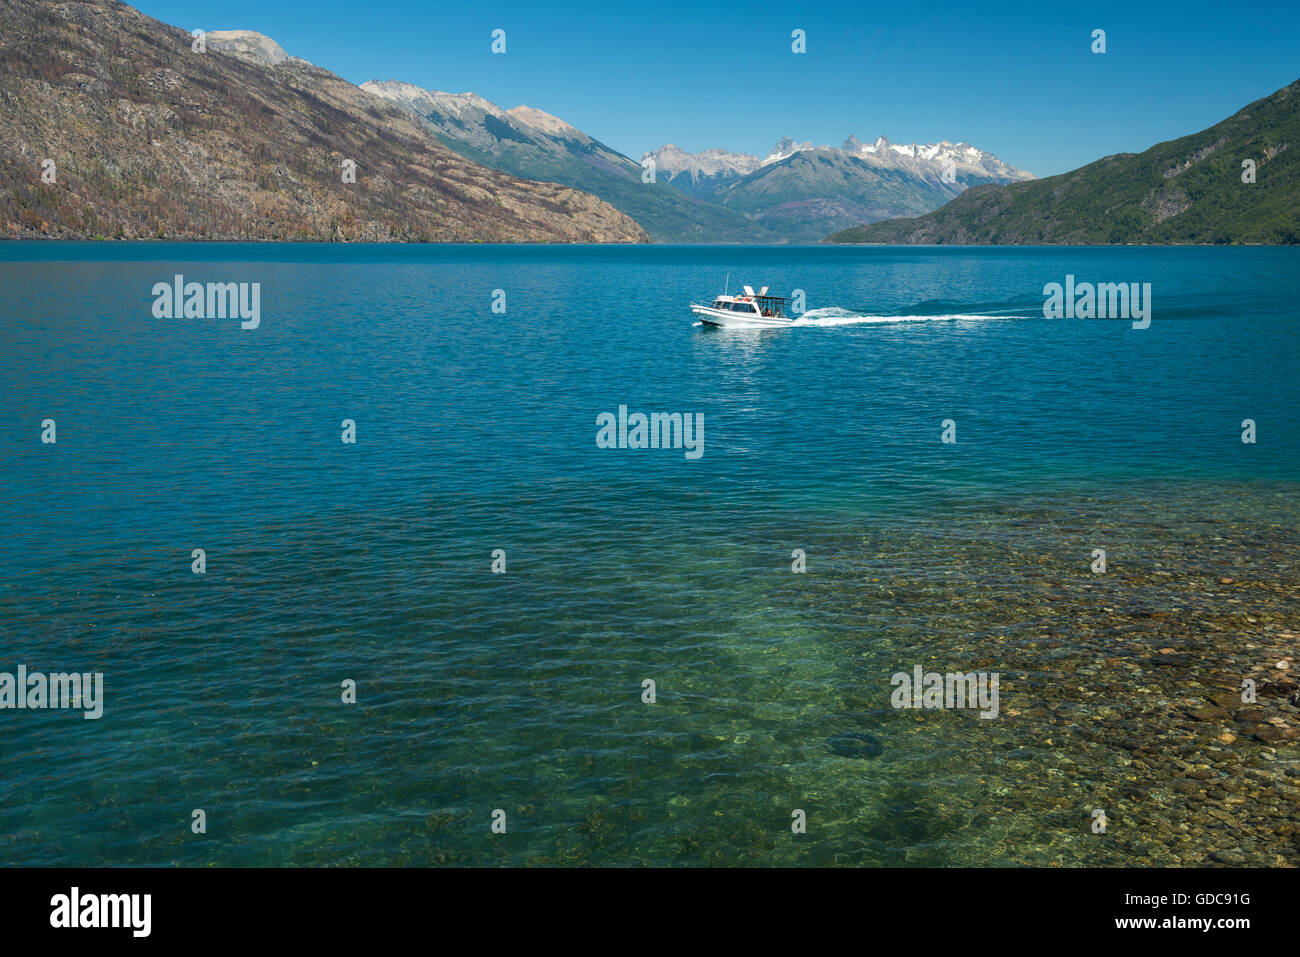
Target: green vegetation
<point>1185,191</point>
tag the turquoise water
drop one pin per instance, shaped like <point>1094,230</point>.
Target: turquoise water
<point>523,691</point>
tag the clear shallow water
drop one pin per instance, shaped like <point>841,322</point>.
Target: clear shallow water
<point>522,691</point>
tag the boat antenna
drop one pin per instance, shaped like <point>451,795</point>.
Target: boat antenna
<point>728,285</point>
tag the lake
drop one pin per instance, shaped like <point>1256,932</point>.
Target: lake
<point>501,588</point>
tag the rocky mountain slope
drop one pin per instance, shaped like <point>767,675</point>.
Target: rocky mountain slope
<point>150,139</point>
<point>1188,190</point>
<point>528,142</point>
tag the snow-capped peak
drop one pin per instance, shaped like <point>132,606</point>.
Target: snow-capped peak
<point>671,160</point>
<point>786,147</point>
<point>921,156</point>
<point>929,160</point>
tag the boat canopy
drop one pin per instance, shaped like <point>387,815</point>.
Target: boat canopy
<point>771,305</point>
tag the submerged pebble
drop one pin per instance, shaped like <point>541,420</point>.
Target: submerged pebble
<point>855,744</point>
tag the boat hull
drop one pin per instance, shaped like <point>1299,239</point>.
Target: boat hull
<point>732,320</point>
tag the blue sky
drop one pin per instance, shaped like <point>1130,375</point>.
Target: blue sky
<point>1017,79</point>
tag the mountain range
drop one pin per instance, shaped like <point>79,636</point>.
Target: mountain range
<point>1236,182</point>
<point>532,144</point>
<point>798,193</point>
<point>802,191</point>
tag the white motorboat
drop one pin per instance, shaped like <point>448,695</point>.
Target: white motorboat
<point>748,309</point>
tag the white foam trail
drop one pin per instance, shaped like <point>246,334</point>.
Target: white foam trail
<point>835,316</point>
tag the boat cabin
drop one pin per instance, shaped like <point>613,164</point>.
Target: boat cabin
<point>754,303</point>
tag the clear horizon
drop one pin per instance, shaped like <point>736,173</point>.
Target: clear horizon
<point>1020,82</point>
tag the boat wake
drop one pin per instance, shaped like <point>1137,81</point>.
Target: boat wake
<point>835,316</point>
